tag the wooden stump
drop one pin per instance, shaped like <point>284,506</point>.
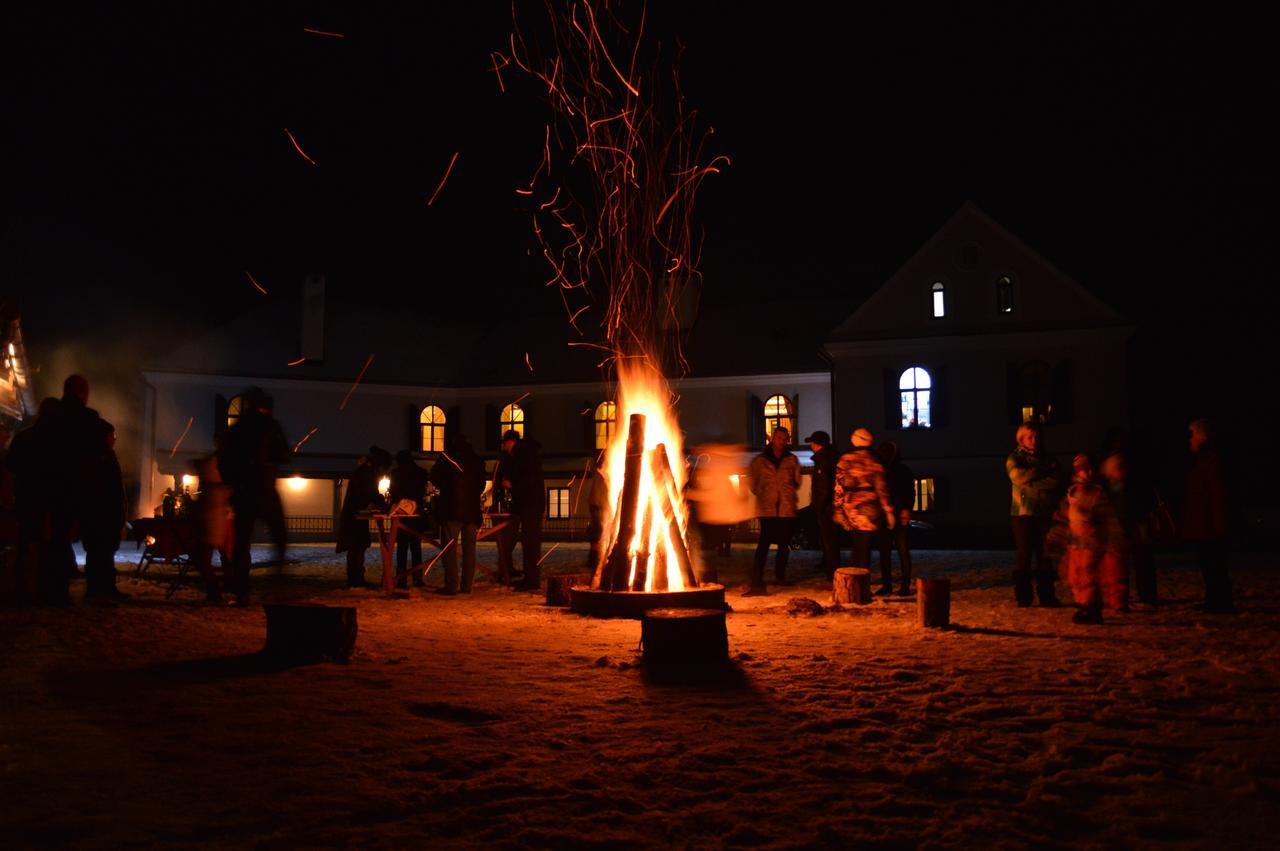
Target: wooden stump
<point>558,587</point>
<point>851,585</point>
<point>684,638</point>
<point>310,632</point>
<point>933,602</point>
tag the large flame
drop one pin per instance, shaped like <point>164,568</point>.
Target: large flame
<point>643,390</point>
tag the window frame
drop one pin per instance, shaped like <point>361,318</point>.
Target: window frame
<point>610,423</point>
<point>436,428</point>
<point>915,390</point>
<point>926,495</point>
<point>787,420</point>
<point>1004,287</point>
<point>561,501</point>
<point>235,409</point>
<point>937,291</point>
<point>515,422</point>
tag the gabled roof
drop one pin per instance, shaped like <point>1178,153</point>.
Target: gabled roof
<point>1044,296</point>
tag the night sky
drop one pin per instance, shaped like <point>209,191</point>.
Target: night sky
<point>150,168</point>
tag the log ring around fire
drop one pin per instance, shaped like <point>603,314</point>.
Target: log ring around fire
<point>633,604</point>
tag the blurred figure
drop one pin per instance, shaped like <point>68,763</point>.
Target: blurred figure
<point>862,504</point>
<point>1089,533</point>
<point>408,485</point>
<point>822,489</point>
<point>214,525</point>
<point>902,493</point>
<point>102,519</point>
<point>720,496</point>
<point>1132,492</point>
<point>75,455</point>
<point>775,482</point>
<point>32,459</point>
<point>460,478</point>
<point>1036,479</point>
<point>597,487</point>
<point>519,474</point>
<point>362,495</point>
<point>10,577</point>
<point>249,461</point>
<point>272,506</point>
<point>1204,521</point>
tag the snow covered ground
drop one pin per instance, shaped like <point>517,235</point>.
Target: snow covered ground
<point>494,721</point>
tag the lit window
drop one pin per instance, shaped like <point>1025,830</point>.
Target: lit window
<point>1004,294</point>
<point>432,424</point>
<point>924,495</point>
<point>778,414</point>
<point>558,503</point>
<point>939,300</point>
<point>512,419</point>
<point>914,389</point>
<point>234,409</point>
<point>606,423</point>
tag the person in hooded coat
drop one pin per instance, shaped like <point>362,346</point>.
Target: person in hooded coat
<point>862,503</point>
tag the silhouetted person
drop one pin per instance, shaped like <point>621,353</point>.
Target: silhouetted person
<point>522,478</point>
<point>32,459</point>
<point>460,478</point>
<point>597,487</point>
<point>408,484</point>
<point>1204,520</point>
<point>249,460</point>
<point>822,491</point>
<point>902,493</point>
<point>362,495</point>
<point>775,480</point>
<point>862,504</point>
<point>78,439</point>
<point>214,527</point>
<point>1036,479</point>
<point>272,506</point>
<point>1128,479</point>
<point>102,519</point>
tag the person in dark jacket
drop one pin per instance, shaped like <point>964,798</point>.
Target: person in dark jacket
<point>408,484</point>
<point>822,486</point>
<point>362,494</point>
<point>1204,520</point>
<point>460,478</point>
<point>32,459</point>
<point>519,474</point>
<point>249,460</point>
<point>102,519</point>
<point>902,494</point>
<point>78,438</point>
<point>1131,489</point>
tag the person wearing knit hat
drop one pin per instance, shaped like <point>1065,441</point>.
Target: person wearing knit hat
<point>862,504</point>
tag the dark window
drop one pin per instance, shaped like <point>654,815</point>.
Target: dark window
<point>1004,295</point>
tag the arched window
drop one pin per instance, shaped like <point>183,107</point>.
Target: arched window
<point>512,419</point>
<point>235,408</point>
<point>914,387</point>
<point>432,424</point>
<point>1004,294</point>
<point>778,413</point>
<point>939,300</point>
<point>606,423</point>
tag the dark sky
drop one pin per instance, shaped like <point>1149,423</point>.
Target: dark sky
<point>151,168</point>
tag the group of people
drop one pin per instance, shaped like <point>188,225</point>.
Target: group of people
<point>1098,528</point>
<point>66,486</point>
<point>457,480</point>
<point>1094,528</point>
<point>867,492</point>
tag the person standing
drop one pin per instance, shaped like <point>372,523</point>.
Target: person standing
<point>1204,520</point>
<point>775,481</point>
<point>362,494</point>
<point>902,493</point>
<point>822,489</point>
<point>1133,495</point>
<point>862,504</point>
<point>102,519</point>
<point>248,461</point>
<point>597,487</point>
<point>1036,478</point>
<point>408,485</point>
<point>459,476</point>
<point>528,501</point>
<point>1088,534</point>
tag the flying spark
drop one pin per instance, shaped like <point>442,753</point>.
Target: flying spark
<point>322,32</point>
<point>256,285</point>
<point>174,450</point>
<point>298,361</point>
<point>298,147</point>
<point>298,445</point>
<point>357,384</point>
<point>453,160</point>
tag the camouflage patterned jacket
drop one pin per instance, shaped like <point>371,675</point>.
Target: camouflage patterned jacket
<point>862,496</point>
<point>1035,481</point>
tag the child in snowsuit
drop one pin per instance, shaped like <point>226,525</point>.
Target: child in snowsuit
<point>1087,529</point>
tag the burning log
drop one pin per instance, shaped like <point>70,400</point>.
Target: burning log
<point>665,483</point>
<point>642,557</point>
<point>851,585</point>
<point>933,602</point>
<point>617,567</point>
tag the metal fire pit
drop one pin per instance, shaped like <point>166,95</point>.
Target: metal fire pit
<point>633,604</point>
